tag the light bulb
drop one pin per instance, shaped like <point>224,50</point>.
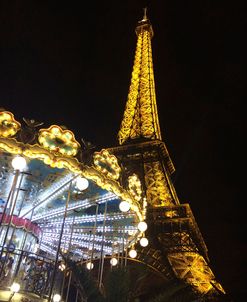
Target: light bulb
<point>144,242</point>
<point>15,287</point>
<point>113,261</point>
<point>132,253</point>
<point>56,298</point>
<point>142,226</point>
<point>82,183</point>
<point>89,265</point>
<point>62,267</point>
<point>124,206</point>
<point>19,163</point>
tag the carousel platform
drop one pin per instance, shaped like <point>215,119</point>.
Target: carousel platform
<point>5,295</point>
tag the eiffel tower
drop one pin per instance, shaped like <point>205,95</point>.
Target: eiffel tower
<point>176,247</point>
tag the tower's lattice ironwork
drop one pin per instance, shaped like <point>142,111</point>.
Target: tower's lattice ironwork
<point>177,248</point>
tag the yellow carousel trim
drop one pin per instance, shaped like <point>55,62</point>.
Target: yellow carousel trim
<point>8,125</point>
<point>58,140</point>
<point>52,159</point>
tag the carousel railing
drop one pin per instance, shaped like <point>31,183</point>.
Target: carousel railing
<point>34,272</point>
<point>30,270</point>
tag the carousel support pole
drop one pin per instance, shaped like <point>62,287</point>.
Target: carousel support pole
<point>94,230</point>
<point>118,256</point>
<point>102,255</point>
<point>122,257</point>
<point>22,251</point>
<point>126,252</point>
<point>25,237</point>
<point>67,256</point>
<point>24,195</point>
<point>67,294</point>
<point>12,208</point>
<point>40,240</point>
<point>59,243</point>
<point>10,196</point>
<point>126,257</point>
<point>76,295</point>
<point>18,214</point>
<point>70,238</point>
<point>62,286</point>
<point>9,201</point>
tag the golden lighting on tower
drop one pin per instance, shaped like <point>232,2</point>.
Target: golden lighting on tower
<point>140,118</point>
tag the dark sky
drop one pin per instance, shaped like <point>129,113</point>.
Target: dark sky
<point>70,64</point>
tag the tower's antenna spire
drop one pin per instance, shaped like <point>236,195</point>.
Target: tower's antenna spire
<point>144,14</point>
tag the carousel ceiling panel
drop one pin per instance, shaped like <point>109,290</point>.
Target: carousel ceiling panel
<point>91,220</point>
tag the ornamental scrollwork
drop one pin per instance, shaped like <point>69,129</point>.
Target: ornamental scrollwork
<point>57,140</point>
<point>29,131</point>
<point>107,164</point>
<point>8,125</point>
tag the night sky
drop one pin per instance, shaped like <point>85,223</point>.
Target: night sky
<point>70,64</point>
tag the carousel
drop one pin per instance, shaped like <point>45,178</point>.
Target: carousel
<point>60,199</point>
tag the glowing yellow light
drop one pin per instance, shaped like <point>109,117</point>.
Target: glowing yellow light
<point>142,226</point>
<point>135,186</point>
<point>62,267</point>
<point>114,261</point>
<point>144,242</point>
<point>124,206</point>
<point>107,164</point>
<point>132,253</point>
<point>56,139</point>
<point>8,125</point>
<point>89,265</point>
<point>15,287</point>
<point>82,183</point>
<point>140,116</point>
<point>19,163</point>
<point>56,298</point>
<point>171,213</point>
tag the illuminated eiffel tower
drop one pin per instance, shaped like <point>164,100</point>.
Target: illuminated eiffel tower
<point>176,247</point>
